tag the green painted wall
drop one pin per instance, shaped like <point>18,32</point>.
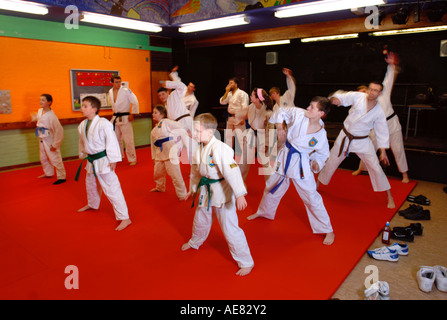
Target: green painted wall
<point>18,27</point>
<point>21,146</point>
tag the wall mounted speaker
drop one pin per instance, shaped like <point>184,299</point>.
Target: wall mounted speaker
<point>443,49</point>
<point>271,58</point>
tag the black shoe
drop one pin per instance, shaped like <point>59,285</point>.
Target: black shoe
<point>415,228</point>
<point>420,199</point>
<point>422,215</point>
<point>411,209</point>
<point>405,235</point>
<point>59,181</point>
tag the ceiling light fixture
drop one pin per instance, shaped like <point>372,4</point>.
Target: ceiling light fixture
<point>334,37</point>
<point>23,6</point>
<point>321,6</point>
<point>266,43</point>
<point>406,31</point>
<point>218,23</point>
<point>119,22</point>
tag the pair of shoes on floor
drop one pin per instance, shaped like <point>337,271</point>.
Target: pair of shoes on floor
<point>379,290</point>
<point>407,233</point>
<point>427,276</point>
<point>420,199</point>
<point>415,212</point>
<point>390,253</point>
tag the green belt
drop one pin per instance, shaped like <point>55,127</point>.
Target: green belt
<point>205,182</point>
<point>90,158</point>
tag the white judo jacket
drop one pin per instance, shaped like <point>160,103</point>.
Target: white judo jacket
<point>163,129</point>
<point>215,160</point>
<point>125,100</point>
<point>359,122</point>
<point>312,146</point>
<point>100,137</point>
<point>54,133</point>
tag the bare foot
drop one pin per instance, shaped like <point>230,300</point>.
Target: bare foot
<point>123,225</point>
<point>390,204</point>
<point>87,207</point>
<point>329,239</point>
<point>405,178</point>
<point>253,216</point>
<point>44,176</point>
<point>186,246</point>
<point>244,271</point>
<point>156,190</point>
<point>357,172</point>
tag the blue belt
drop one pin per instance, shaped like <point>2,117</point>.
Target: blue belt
<point>159,142</point>
<point>292,150</point>
<point>40,130</point>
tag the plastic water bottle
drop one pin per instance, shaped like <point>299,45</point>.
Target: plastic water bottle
<point>386,234</point>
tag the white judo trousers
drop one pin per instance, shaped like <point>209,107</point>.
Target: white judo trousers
<point>112,189</point>
<point>228,222</point>
<point>215,161</point>
<point>316,211</point>
<point>51,160</point>
<point>52,135</point>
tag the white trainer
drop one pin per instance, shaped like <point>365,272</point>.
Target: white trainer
<point>402,249</point>
<point>426,278</point>
<point>384,253</point>
<point>441,278</point>
<point>379,290</point>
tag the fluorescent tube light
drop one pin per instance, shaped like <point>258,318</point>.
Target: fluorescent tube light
<point>335,37</point>
<point>214,24</point>
<point>314,7</point>
<point>120,22</point>
<point>23,6</point>
<point>266,43</point>
<point>406,31</point>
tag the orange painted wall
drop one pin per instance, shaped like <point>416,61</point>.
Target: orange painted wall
<point>29,68</point>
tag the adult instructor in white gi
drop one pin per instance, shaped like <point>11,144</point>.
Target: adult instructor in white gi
<point>122,101</point>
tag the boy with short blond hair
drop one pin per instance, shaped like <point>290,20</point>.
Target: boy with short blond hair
<point>216,183</point>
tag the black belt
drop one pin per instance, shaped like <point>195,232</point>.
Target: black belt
<point>388,118</point>
<point>119,115</point>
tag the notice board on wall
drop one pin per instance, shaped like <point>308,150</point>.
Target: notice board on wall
<point>91,83</point>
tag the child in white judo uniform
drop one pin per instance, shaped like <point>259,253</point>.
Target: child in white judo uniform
<point>257,137</point>
<point>165,150</point>
<point>50,133</point>
<point>364,115</point>
<point>99,145</point>
<point>217,185</point>
<point>124,105</point>
<point>304,154</point>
